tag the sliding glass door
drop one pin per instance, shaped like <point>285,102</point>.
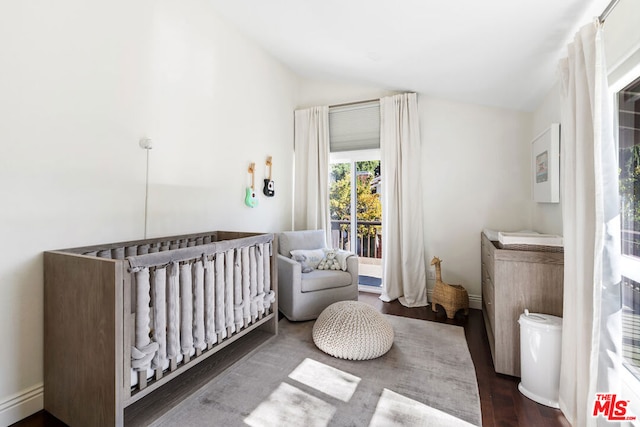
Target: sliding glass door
<point>356,211</point>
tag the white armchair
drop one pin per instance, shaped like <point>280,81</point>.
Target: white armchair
<point>303,296</point>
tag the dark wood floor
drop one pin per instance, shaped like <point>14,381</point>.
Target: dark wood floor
<point>501,402</point>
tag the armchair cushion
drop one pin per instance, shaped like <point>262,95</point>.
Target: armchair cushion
<point>307,239</point>
<point>324,279</point>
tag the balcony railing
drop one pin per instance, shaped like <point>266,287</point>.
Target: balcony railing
<point>631,242</point>
<point>366,244</point>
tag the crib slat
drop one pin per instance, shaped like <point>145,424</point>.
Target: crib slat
<point>237,290</point>
<point>260,280</point>
<point>246,287</point>
<point>104,254</point>
<point>268,294</point>
<point>143,319</point>
<point>173,313</point>
<point>186,312</point>
<point>228,294</point>
<point>130,251</point>
<point>221,329</point>
<point>209,303</point>
<point>117,253</point>
<point>159,279</point>
<point>142,380</point>
<point>253,283</point>
<point>198,307</point>
<point>144,348</point>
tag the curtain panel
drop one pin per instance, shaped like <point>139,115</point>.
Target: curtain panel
<point>591,314</point>
<point>404,271</point>
<point>311,177</point>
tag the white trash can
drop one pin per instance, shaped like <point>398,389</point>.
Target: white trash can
<point>540,345</point>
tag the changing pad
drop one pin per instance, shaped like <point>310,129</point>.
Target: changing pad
<point>536,239</point>
<point>491,234</point>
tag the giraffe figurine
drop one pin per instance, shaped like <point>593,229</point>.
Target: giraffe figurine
<point>451,297</point>
<point>436,261</point>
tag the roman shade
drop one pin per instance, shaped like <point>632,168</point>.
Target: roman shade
<point>354,127</point>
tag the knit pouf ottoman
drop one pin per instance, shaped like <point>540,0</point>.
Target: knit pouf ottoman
<point>352,330</point>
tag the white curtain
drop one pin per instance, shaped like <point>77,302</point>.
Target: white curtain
<point>591,324</point>
<point>311,180</point>
<point>404,272</point>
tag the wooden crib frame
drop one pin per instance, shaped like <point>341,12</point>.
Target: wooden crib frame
<point>90,321</point>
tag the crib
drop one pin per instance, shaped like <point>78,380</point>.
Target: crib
<point>124,322</point>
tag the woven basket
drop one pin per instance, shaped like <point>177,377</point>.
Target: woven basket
<point>451,297</point>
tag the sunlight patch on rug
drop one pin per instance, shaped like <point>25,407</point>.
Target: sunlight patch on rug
<point>394,409</point>
<point>290,406</point>
<point>327,379</point>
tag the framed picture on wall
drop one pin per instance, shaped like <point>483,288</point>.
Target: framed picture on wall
<point>545,164</point>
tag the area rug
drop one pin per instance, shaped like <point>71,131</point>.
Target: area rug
<point>427,378</point>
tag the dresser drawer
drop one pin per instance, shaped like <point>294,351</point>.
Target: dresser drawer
<point>488,300</point>
<point>487,256</point>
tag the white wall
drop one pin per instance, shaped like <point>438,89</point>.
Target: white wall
<point>546,217</point>
<point>81,83</point>
<point>475,175</point>
<point>217,104</point>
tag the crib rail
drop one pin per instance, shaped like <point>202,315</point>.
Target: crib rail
<point>187,301</point>
<point>142,247</point>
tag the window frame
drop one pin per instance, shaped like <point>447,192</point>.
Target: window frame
<point>629,265</point>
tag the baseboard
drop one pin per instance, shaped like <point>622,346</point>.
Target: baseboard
<point>475,301</point>
<point>21,405</point>
<point>370,289</point>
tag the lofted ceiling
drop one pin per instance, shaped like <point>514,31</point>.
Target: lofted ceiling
<point>500,53</point>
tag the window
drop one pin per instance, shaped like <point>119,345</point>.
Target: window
<point>629,175</point>
<point>354,187</point>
